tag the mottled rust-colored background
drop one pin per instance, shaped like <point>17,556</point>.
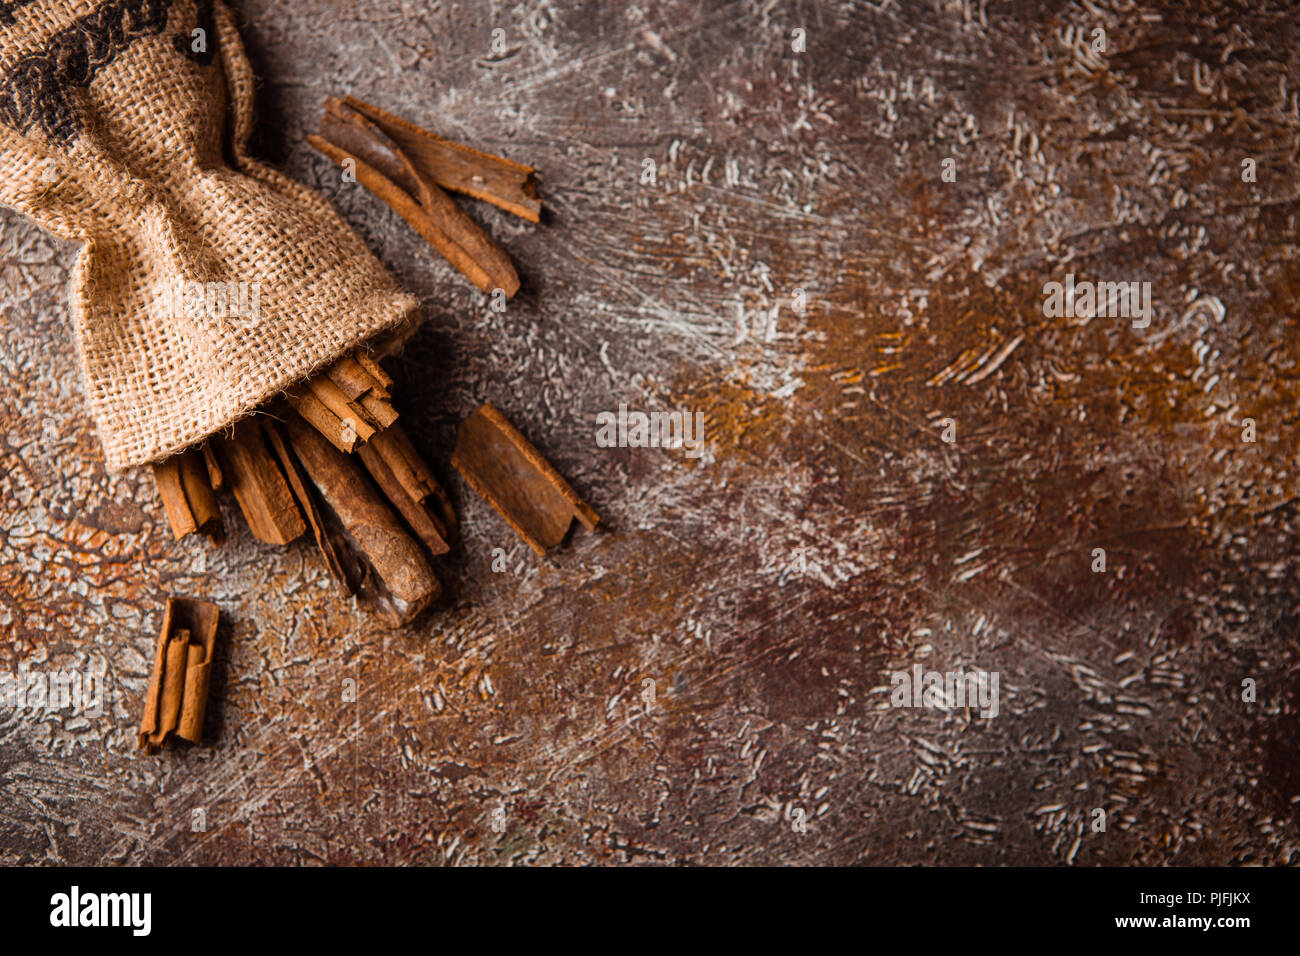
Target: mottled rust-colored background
<point>776,171</point>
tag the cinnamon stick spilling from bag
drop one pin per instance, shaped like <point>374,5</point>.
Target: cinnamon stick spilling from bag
<point>335,459</point>
<point>259,486</point>
<point>405,583</point>
<point>186,485</point>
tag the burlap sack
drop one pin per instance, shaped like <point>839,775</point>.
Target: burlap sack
<point>207,282</point>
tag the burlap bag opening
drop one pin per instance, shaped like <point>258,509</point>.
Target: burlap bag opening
<point>208,282</point>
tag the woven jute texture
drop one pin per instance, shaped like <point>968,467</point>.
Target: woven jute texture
<point>207,282</point>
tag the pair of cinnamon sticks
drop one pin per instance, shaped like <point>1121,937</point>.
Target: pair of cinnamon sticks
<point>412,169</point>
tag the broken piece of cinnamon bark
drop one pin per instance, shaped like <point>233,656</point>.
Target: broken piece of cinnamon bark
<point>502,466</point>
<point>259,486</point>
<point>328,541</point>
<point>508,185</point>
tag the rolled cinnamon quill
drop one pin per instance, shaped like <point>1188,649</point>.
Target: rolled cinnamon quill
<point>259,486</point>
<point>350,135</point>
<point>407,582</point>
<point>185,485</point>
<point>504,467</point>
<point>425,523</point>
<point>327,538</point>
<point>177,699</point>
<point>508,185</point>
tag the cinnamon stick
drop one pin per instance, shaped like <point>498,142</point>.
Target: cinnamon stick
<point>502,466</point>
<point>507,185</point>
<point>331,548</point>
<point>375,371</point>
<point>197,676</point>
<point>186,492</point>
<point>408,468</point>
<point>176,701</point>
<point>340,434</point>
<point>178,655</point>
<point>347,412</point>
<point>383,168</point>
<point>407,582</point>
<point>351,376</point>
<point>378,409</point>
<point>259,486</point>
<point>427,526</point>
<point>195,478</point>
<point>167,475</point>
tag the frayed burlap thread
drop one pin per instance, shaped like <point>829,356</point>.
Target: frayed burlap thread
<point>207,282</point>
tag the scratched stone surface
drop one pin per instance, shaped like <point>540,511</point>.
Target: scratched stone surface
<point>827,538</point>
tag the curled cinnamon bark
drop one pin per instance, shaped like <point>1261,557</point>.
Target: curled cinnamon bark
<point>407,582</point>
<point>504,467</point>
<point>186,490</point>
<point>508,185</point>
<point>177,700</point>
<point>259,486</point>
<point>327,540</point>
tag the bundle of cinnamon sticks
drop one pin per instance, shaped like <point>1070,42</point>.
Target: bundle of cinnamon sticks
<point>304,464</point>
<point>332,457</point>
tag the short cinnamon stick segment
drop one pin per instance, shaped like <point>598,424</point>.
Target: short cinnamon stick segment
<point>399,455</point>
<point>508,185</point>
<point>186,492</point>
<point>382,413</point>
<point>427,526</point>
<point>178,656</point>
<point>351,376</point>
<point>502,466</point>
<point>339,433</point>
<point>167,475</point>
<point>330,548</point>
<point>347,412</point>
<point>177,699</point>
<point>259,486</point>
<point>375,371</point>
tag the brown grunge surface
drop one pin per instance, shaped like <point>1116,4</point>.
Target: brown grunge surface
<point>828,536</point>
